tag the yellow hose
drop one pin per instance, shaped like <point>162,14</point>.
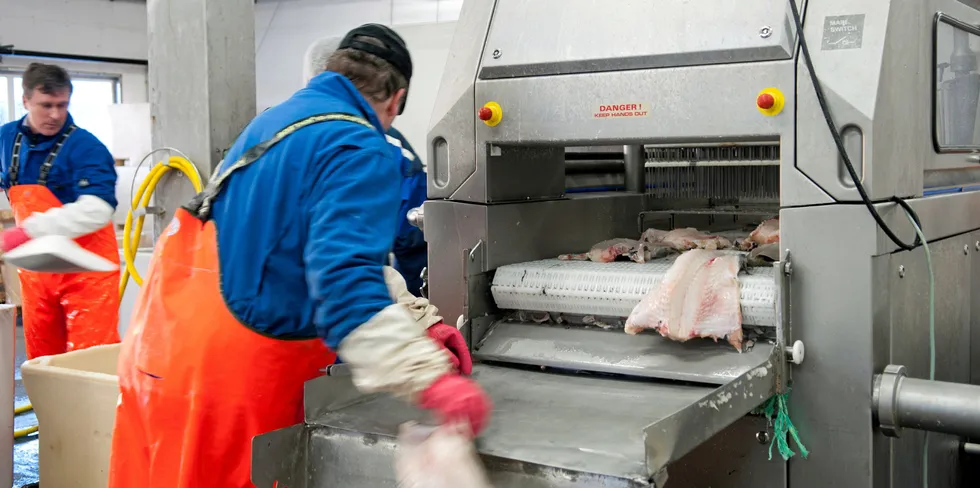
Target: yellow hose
<point>131,240</point>
<point>26,431</point>
<point>131,236</point>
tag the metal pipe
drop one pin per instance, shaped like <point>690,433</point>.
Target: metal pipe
<point>8,319</point>
<point>934,406</point>
<point>971,448</point>
<point>635,160</point>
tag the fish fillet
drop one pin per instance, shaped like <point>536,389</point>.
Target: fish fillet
<point>766,233</point>
<point>439,458</point>
<point>685,239</point>
<point>609,251</point>
<point>698,297</point>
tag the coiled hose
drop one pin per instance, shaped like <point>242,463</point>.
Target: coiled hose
<point>131,235</point>
<point>137,212</point>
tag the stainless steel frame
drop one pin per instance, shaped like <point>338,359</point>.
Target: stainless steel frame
<point>499,196</point>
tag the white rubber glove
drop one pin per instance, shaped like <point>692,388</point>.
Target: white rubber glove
<point>83,216</point>
<point>392,353</point>
<point>421,310</point>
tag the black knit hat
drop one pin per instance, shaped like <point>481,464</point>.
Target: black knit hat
<point>394,51</point>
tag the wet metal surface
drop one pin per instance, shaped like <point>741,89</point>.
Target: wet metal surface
<point>25,448</point>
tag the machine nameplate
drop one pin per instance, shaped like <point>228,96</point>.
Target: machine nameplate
<point>843,32</point>
<point>620,110</point>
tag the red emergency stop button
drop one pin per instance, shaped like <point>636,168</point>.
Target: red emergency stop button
<point>765,101</point>
<point>491,114</point>
<point>770,101</point>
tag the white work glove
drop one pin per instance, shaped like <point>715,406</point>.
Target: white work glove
<point>394,352</point>
<point>421,310</point>
<point>391,352</point>
<point>81,217</point>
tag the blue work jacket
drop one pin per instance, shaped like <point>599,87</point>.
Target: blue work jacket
<point>304,231</point>
<point>83,166</point>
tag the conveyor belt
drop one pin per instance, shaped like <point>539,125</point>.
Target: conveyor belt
<point>611,289</point>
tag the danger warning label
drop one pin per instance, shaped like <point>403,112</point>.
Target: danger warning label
<point>621,110</point>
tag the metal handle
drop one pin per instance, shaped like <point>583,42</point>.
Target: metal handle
<point>416,218</point>
<point>973,159</point>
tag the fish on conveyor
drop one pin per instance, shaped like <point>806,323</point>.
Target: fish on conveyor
<point>439,457</point>
<point>685,239</point>
<point>766,233</point>
<point>698,297</point>
<point>609,251</point>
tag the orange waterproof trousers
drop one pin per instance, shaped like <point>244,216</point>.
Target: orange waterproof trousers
<point>196,384</point>
<point>65,312</point>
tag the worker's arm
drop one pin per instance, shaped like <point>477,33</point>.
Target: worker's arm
<point>426,314</point>
<point>94,176</point>
<point>352,223</point>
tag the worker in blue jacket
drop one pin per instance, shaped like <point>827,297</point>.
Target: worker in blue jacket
<point>410,250</point>
<point>60,180</point>
<point>278,263</point>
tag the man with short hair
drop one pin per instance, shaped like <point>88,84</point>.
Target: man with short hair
<point>276,264</point>
<point>410,250</point>
<point>60,180</point>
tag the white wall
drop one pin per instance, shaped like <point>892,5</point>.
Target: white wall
<point>429,45</point>
<point>77,27</point>
<point>283,31</point>
<point>285,28</point>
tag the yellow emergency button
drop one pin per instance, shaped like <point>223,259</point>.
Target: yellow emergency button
<point>491,114</point>
<point>770,102</point>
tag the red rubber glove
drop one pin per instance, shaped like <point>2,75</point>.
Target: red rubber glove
<point>452,340</point>
<point>12,238</point>
<point>458,399</point>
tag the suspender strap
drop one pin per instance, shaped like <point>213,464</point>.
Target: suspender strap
<point>200,205</point>
<point>42,178</point>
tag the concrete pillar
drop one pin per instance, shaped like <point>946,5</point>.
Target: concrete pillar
<point>201,83</point>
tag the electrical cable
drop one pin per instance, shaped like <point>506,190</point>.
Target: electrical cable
<point>839,142</point>
<point>932,340</point>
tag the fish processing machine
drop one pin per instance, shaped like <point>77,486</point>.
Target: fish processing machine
<point>716,118</point>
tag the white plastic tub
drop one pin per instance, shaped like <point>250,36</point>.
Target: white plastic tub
<point>74,396</point>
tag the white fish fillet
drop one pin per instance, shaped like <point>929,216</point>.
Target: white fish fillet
<point>440,458</point>
<point>609,251</point>
<point>699,297</point>
<point>766,233</point>
<point>685,239</point>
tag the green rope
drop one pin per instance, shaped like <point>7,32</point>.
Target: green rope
<point>777,411</point>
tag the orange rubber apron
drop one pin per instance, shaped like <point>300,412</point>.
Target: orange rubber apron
<point>64,312</point>
<point>196,383</point>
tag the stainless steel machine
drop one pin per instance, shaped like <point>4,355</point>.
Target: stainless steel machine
<point>561,123</point>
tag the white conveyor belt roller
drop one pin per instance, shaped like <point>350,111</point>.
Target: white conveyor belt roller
<point>612,289</point>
